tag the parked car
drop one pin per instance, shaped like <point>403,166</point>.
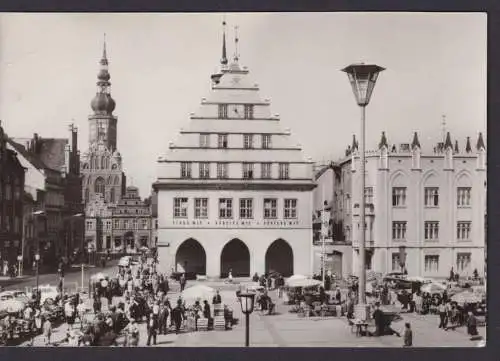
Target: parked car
<point>14,295</point>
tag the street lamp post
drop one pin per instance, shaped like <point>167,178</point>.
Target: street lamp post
<point>37,261</point>
<point>362,78</point>
<point>19,265</point>
<point>247,300</point>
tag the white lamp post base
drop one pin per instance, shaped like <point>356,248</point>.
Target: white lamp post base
<point>362,312</point>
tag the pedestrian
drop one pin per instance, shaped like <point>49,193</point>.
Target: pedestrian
<point>162,319</point>
<point>132,334</point>
<point>378,316</point>
<point>47,331</point>
<point>442,315</point>
<point>152,329</point>
<point>97,304</point>
<point>471,324</point>
<point>182,281</point>
<point>177,316</point>
<point>217,300</point>
<point>230,276</point>
<point>408,335</point>
<point>80,310</point>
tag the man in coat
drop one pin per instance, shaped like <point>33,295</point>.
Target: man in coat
<point>178,316</point>
<point>152,327</point>
<point>162,319</point>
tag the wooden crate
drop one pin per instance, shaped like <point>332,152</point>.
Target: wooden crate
<point>202,324</point>
<point>219,323</point>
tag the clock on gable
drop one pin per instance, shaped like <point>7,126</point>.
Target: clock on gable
<point>236,111</point>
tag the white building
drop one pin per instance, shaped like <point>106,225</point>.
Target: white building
<point>234,191</point>
<point>429,206</point>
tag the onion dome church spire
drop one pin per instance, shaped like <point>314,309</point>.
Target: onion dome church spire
<point>102,102</point>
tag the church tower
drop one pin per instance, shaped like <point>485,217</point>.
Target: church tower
<point>101,165</point>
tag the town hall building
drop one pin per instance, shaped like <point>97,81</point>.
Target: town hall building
<point>234,191</point>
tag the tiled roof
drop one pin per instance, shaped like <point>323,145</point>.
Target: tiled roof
<point>37,163</point>
<point>52,153</point>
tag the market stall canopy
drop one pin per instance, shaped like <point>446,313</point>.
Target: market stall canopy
<point>433,288</point>
<point>252,286</point>
<point>373,276</point>
<point>198,293</point>
<point>12,306</point>
<point>466,297</point>
<point>296,277</point>
<point>304,283</point>
<point>98,276</point>
<point>419,279</point>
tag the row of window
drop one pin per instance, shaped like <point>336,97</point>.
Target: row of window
<point>226,209</point>
<point>248,111</point>
<point>222,141</point>
<point>431,230</point>
<point>120,224</point>
<point>431,196</point>
<point>10,192</point>
<point>7,226</point>
<point>247,170</point>
<point>431,263</point>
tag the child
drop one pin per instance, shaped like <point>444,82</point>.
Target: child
<point>408,335</point>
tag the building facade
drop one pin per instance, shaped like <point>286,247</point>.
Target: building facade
<point>121,228</point>
<point>333,183</point>
<point>424,211</point>
<point>234,192</point>
<point>53,209</point>
<point>12,175</point>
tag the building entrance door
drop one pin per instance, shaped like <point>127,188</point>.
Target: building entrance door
<point>279,258</point>
<point>235,256</point>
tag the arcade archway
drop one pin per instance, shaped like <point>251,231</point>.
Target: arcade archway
<point>279,258</point>
<point>191,258</point>
<point>235,256</point>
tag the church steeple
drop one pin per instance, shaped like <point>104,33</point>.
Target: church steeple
<point>103,104</point>
<point>354,146</point>
<point>223,60</point>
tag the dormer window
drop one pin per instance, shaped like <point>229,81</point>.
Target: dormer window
<point>266,141</point>
<point>223,111</point>
<point>204,140</point>
<point>248,141</point>
<point>222,141</point>
<point>247,170</point>
<point>249,111</point>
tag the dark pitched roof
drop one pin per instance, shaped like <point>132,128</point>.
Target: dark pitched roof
<point>383,141</point>
<point>447,143</point>
<point>468,147</point>
<point>480,142</point>
<point>52,153</point>
<point>415,142</point>
<point>37,163</point>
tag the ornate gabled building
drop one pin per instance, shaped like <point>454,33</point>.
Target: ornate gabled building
<point>235,191</point>
<point>101,165</point>
<point>117,219</point>
<point>425,211</point>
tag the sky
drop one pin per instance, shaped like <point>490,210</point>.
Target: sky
<point>160,66</point>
